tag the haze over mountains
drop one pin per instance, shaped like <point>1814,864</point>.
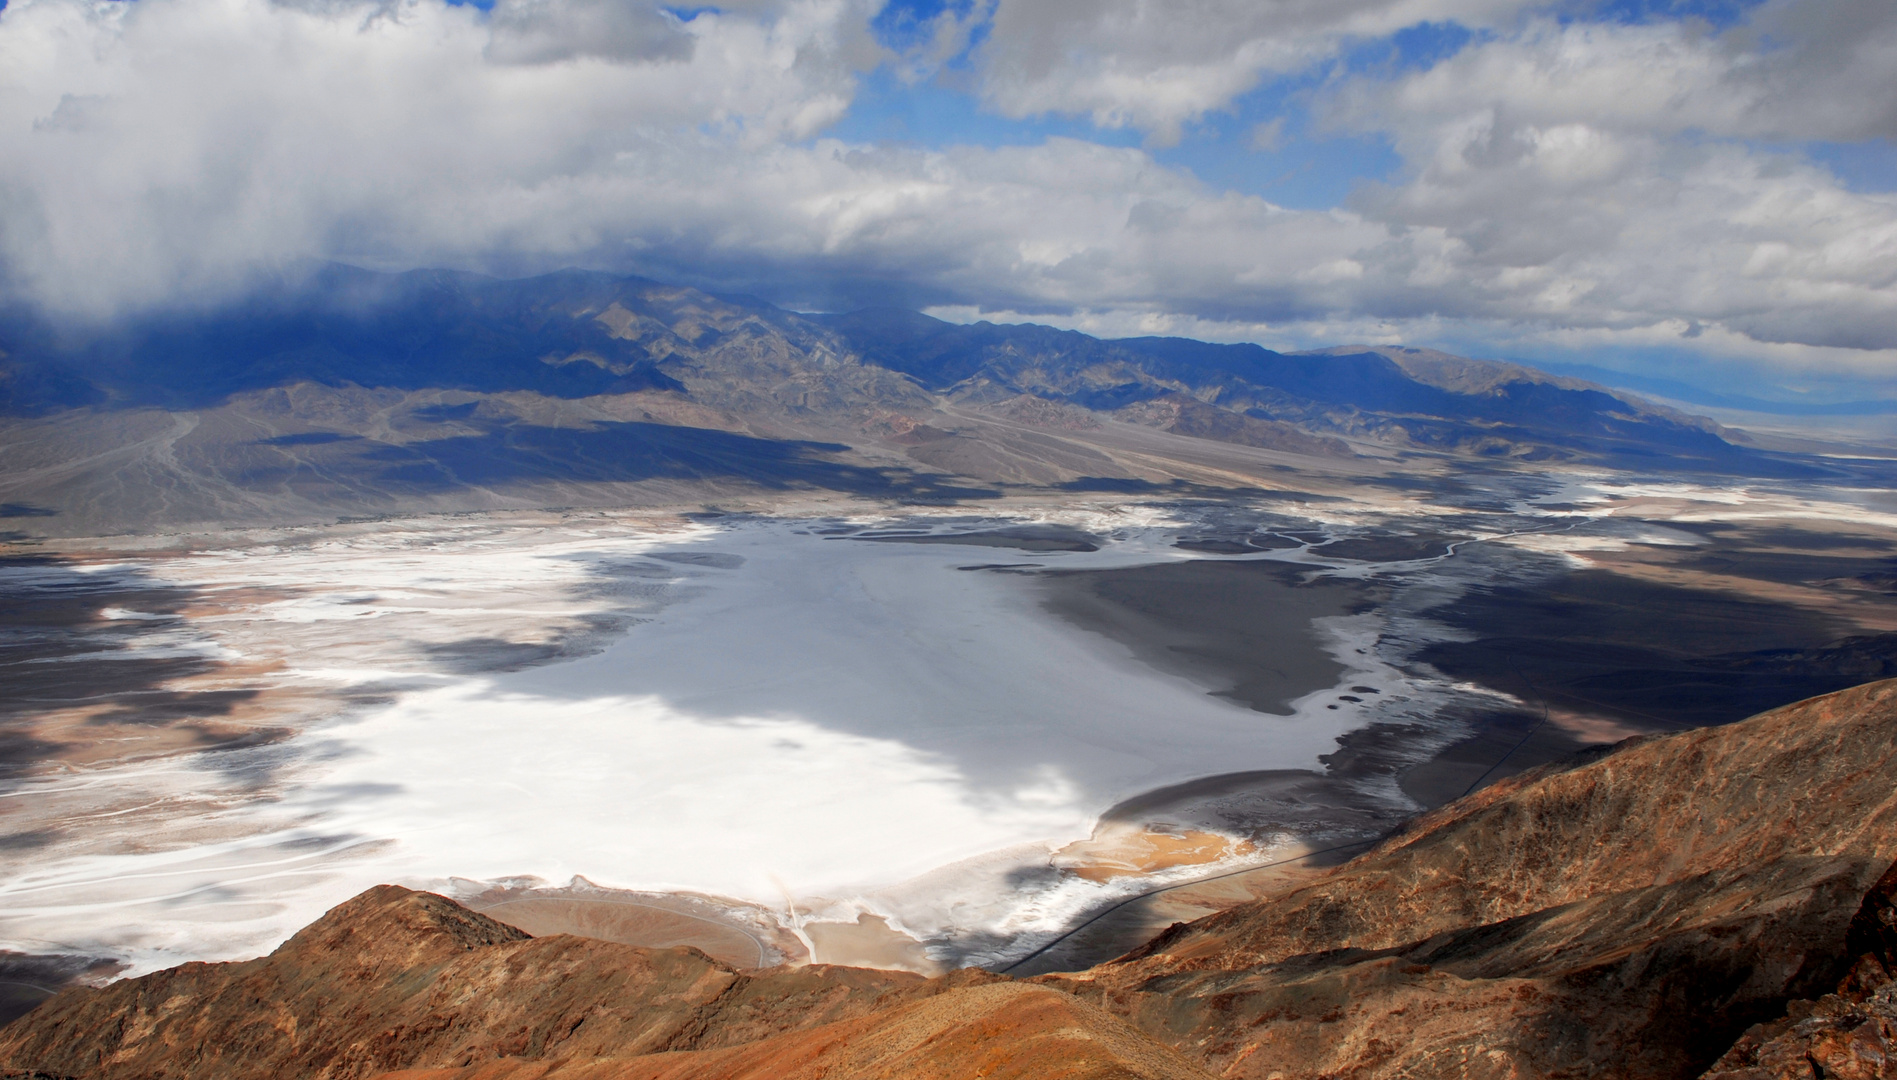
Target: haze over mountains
<point>355,392</point>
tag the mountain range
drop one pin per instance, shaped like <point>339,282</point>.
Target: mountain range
<point>351,392</point>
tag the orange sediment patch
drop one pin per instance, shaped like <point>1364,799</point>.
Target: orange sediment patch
<point>868,942</point>
<point>1131,925</point>
<point>1117,850</point>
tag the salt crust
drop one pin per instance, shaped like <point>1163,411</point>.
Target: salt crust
<point>814,724</point>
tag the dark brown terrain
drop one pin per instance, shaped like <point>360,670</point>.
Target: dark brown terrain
<point>1718,898</point>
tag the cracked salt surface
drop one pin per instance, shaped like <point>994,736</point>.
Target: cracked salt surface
<point>786,718</point>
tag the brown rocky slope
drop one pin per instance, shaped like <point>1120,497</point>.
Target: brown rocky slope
<point>396,979</point>
<point>1630,913</point>
<point>1627,915</point>
<point>1850,1034</point>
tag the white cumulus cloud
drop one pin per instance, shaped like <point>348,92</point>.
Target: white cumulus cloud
<point>1558,179</point>
<point>165,147</point>
<point>1613,176</point>
<point>1156,65</point>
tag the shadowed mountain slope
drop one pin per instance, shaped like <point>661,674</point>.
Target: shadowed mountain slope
<point>1850,1033</point>
<point>275,384</point>
<point>566,335</point>
<point>1408,397</point>
<point>1628,913</point>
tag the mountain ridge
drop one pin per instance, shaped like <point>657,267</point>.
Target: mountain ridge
<point>358,393</point>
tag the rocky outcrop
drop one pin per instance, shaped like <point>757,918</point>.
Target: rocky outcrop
<point>1631,913</point>
<point>1850,1034</point>
<point>1831,1039</point>
<point>1628,914</point>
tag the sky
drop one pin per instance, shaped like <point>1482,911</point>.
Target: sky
<point>1699,191</point>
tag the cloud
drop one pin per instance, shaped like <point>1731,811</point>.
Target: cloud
<point>1573,225</point>
<point>1156,65</point>
<point>1268,135</point>
<point>162,148</point>
<point>1609,176</point>
<point>1797,70</point>
<point>1558,179</point>
<point>548,31</point>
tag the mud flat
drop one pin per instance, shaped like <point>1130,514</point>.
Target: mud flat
<point>1247,624</point>
<point>883,751</point>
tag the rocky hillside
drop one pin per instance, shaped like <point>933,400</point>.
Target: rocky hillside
<point>1851,1033</point>
<point>1719,898</point>
<point>401,980</point>
<point>1629,915</point>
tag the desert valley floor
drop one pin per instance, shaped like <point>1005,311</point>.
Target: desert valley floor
<point>832,729</point>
